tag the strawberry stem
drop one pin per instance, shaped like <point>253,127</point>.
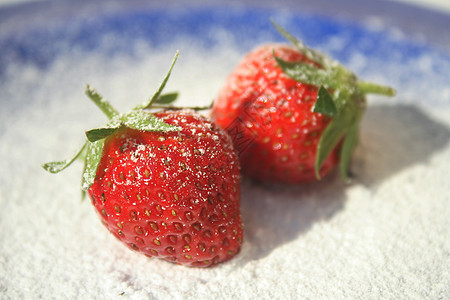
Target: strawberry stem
<point>372,88</point>
<point>173,107</point>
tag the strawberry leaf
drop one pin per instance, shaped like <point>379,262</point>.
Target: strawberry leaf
<point>348,146</point>
<point>324,103</point>
<point>330,138</point>
<point>96,134</point>
<point>307,73</point>
<point>141,120</point>
<point>94,154</point>
<point>157,95</point>
<point>104,105</point>
<point>166,99</point>
<point>306,51</point>
<point>58,166</point>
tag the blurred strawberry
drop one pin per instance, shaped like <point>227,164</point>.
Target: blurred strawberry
<point>293,113</point>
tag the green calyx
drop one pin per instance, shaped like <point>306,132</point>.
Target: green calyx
<point>137,118</point>
<point>341,97</point>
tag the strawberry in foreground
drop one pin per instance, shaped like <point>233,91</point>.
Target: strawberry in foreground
<point>293,113</point>
<point>166,184</point>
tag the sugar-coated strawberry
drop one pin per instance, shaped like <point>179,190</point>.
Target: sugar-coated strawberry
<point>293,113</point>
<point>173,195</point>
<point>165,183</point>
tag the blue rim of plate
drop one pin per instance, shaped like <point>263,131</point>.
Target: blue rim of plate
<point>38,32</point>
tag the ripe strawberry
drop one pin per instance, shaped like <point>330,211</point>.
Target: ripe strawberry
<point>166,184</point>
<point>292,112</point>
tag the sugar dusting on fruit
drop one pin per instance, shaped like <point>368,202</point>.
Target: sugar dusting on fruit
<point>298,241</point>
<point>183,204</point>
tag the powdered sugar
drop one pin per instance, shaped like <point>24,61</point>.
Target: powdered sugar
<point>383,236</point>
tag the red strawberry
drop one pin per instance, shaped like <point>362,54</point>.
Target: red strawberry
<point>292,112</point>
<point>166,184</point>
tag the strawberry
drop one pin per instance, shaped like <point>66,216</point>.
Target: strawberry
<point>293,113</point>
<point>166,183</point>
